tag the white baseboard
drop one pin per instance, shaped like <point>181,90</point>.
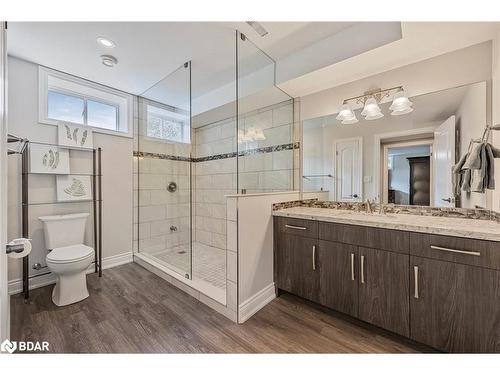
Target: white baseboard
<point>16,285</point>
<point>260,299</point>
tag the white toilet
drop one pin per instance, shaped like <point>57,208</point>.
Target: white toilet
<point>69,258</point>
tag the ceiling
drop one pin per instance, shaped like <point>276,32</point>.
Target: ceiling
<point>310,56</point>
<point>285,38</point>
<point>420,41</point>
<point>149,51</point>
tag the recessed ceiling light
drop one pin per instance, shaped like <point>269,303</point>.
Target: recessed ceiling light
<point>108,43</point>
<point>109,61</point>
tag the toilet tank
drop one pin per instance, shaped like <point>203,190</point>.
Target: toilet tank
<point>64,230</point>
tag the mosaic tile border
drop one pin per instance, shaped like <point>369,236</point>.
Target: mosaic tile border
<point>262,150</point>
<point>142,154</point>
<point>461,213</point>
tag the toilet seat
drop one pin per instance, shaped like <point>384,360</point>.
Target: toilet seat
<point>70,254</point>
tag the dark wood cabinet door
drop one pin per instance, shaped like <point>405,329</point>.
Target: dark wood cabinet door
<point>455,307</point>
<point>338,276</point>
<point>297,264</point>
<point>384,289</point>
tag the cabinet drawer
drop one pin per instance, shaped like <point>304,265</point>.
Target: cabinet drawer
<point>456,249</point>
<point>298,227</point>
<point>377,238</point>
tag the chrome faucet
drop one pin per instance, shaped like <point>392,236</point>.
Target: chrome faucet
<point>381,209</point>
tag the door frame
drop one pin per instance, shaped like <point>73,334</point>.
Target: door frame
<point>426,132</point>
<point>360,164</point>
<point>384,172</point>
<point>4,294</point>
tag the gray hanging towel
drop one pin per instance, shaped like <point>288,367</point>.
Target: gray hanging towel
<point>458,175</point>
<point>466,180</point>
<point>480,175</point>
<point>490,159</point>
<point>473,160</point>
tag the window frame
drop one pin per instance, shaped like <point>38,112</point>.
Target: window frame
<point>174,114</point>
<point>86,90</point>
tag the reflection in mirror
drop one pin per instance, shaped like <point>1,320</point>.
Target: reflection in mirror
<point>395,155</point>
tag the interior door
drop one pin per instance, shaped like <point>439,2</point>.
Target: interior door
<point>444,158</point>
<point>4,296</point>
<point>348,169</point>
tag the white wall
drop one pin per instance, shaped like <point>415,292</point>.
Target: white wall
<point>116,165</point>
<point>465,66</point>
<point>250,235</point>
<point>470,115</point>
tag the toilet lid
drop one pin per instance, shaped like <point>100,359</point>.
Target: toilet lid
<point>71,253</point>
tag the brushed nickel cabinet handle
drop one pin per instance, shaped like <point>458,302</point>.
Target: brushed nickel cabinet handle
<point>415,270</point>
<point>295,227</point>
<point>362,271</point>
<point>475,253</point>
<point>314,257</point>
<point>352,266</point>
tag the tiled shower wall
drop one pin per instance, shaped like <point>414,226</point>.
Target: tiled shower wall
<point>156,164</point>
<point>263,166</point>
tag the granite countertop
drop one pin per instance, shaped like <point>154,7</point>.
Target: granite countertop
<point>469,228</point>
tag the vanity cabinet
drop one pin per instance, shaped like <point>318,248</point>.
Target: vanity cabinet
<point>441,291</point>
<point>384,289</point>
<point>296,258</point>
<point>338,273</point>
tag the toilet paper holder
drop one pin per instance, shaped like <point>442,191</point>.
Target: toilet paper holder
<point>14,248</point>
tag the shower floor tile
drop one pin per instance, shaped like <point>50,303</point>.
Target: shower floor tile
<point>209,263</point>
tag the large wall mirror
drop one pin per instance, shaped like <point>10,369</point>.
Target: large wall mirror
<point>399,158</point>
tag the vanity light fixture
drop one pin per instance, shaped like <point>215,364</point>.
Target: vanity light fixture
<point>401,105</point>
<point>346,115</point>
<point>370,101</point>
<point>371,110</point>
<point>105,42</point>
<point>109,61</point>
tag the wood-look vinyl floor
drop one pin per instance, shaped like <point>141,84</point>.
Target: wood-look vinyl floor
<point>131,310</point>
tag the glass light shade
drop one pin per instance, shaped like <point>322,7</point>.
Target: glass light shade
<point>250,133</point>
<point>371,111</point>
<point>346,115</point>
<point>259,135</point>
<point>401,105</point>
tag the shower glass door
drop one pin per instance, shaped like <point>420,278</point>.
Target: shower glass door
<point>266,144</point>
<point>163,173</point>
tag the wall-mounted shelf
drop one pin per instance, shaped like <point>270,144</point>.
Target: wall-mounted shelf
<point>57,203</point>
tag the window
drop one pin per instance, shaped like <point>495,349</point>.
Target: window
<point>166,124</point>
<point>63,97</point>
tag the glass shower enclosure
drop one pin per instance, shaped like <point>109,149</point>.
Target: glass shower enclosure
<point>209,130</point>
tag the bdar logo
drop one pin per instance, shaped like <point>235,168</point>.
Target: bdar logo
<point>8,346</point>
